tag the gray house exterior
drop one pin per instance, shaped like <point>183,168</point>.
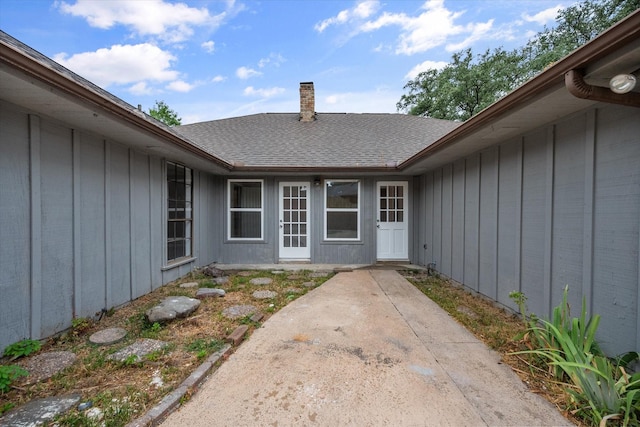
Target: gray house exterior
<point>100,204</point>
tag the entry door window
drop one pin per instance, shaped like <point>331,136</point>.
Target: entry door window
<point>392,226</point>
<point>294,220</point>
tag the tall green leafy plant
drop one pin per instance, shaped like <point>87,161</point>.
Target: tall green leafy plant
<point>601,389</point>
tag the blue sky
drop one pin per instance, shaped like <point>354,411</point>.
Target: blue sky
<point>214,59</point>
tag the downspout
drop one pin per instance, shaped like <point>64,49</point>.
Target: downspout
<point>574,81</point>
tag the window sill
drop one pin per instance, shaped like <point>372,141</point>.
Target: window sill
<point>178,263</point>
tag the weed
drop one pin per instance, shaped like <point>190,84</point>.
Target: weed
<point>22,348</point>
<point>8,374</point>
<point>5,407</point>
<point>203,347</point>
<point>80,324</point>
<point>131,360</point>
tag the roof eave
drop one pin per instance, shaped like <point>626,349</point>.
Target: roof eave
<point>611,40</point>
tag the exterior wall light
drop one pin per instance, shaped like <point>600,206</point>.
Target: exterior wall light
<point>622,83</point>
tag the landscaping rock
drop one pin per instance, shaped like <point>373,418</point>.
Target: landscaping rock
<point>238,311</point>
<point>139,349</point>
<point>309,284</point>
<point>261,281</point>
<point>319,274</point>
<point>108,336</point>
<point>221,280</point>
<point>237,335</point>
<point>264,294</point>
<point>189,285</point>
<point>39,411</point>
<point>46,365</point>
<point>278,272</point>
<point>212,271</point>
<point>246,273</point>
<point>293,291</point>
<point>295,277</point>
<point>172,308</point>
<point>209,293</point>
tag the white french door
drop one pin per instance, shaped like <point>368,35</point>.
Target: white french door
<point>392,220</point>
<point>294,220</point>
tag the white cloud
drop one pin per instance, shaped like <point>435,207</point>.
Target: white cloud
<point>140,88</point>
<point>362,10</point>
<point>424,66</point>
<point>477,32</point>
<point>172,22</point>
<point>245,73</point>
<point>121,64</point>
<point>218,79</point>
<point>545,16</point>
<point>274,59</point>
<point>209,46</point>
<point>379,100</point>
<point>180,86</point>
<point>263,93</point>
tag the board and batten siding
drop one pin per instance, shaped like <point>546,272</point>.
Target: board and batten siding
<point>82,225</point>
<point>556,207</point>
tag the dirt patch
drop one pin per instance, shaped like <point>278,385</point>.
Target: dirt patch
<point>126,389</point>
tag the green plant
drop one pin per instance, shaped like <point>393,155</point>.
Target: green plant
<point>5,407</point>
<point>8,374</point>
<point>131,360</point>
<point>203,347</point>
<point>80,324</point>
<point>601,388</point>
<point>22,348</point>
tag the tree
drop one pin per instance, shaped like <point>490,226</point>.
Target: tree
<point>161,111</point>
<point>466,86</point>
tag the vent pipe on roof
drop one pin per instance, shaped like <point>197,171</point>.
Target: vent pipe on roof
<point>574,81</point>
<point>307,102</point>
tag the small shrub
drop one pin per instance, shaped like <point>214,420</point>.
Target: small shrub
<point>80,324</point>
<point>22,348</point>
<point>8,374</point>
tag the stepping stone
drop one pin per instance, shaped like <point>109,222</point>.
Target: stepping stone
<point>264,294</point>
<point>309,284</point>
<point>108,336</point>
<point>139,349</point>
<point>209,293</point>
<point>246,273</point>
<point>212,271</point>
<point>221,280</point>
<point>171,308</point>
<point>261,281</point>
<point>237,335</point>
<point>189,285</point>
<point>295,277</point>
<point>293,291</point>
<point>40,411</point>
<point>238,311</point>
<point>278,272</point>
<point>257,317</point>
<point>319,274</point>
<point>46,365</point>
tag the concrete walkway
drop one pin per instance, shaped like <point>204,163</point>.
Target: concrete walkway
<point>364,349</point>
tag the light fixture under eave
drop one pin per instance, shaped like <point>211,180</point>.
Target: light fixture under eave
<point>622,83</point>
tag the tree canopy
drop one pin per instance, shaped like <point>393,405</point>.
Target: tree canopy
<point>469,83</point>
<point>161,111</point>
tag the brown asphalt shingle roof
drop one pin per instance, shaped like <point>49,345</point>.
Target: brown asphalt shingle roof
<point>333,140</point>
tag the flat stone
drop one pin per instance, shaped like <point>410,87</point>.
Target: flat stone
<point>221,280</point>
<point>39,411</point>
<point>278,272</point>
<point>108,336</point>
<point>46,365</point>
<point>257,317</point>
<point>293,291</point>
<point>209,293</point>
<point>261,281</point>
<point>264,294</point>
<point>311,284</point>
<point>238,311</point>
<point>171,308</point>
<point>246,273</point>
<point>237,335</point>
<point>295,277</point>
<point>466,310</point>
<point>189,285</point>
<point>319,274</point>
<point>212,271</point>
<point>139,349</point>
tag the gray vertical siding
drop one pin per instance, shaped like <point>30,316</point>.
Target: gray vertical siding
<point>82,225</point>
<point>553,208</point>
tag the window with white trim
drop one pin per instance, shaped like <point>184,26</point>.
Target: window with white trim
<point>245,201</point>
<point>179,211</point>
<point>342,209</point>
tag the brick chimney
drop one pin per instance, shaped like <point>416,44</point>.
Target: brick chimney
<point>307,102</point>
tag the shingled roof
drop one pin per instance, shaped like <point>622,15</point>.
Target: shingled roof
<point>332,140</point>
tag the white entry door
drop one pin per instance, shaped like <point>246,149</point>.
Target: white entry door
<point>294,220</point>
<point>392,221</point>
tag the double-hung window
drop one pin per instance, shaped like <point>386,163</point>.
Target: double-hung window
<point>246,204</point>
<point>179,211</point>
<point>342,210</point>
